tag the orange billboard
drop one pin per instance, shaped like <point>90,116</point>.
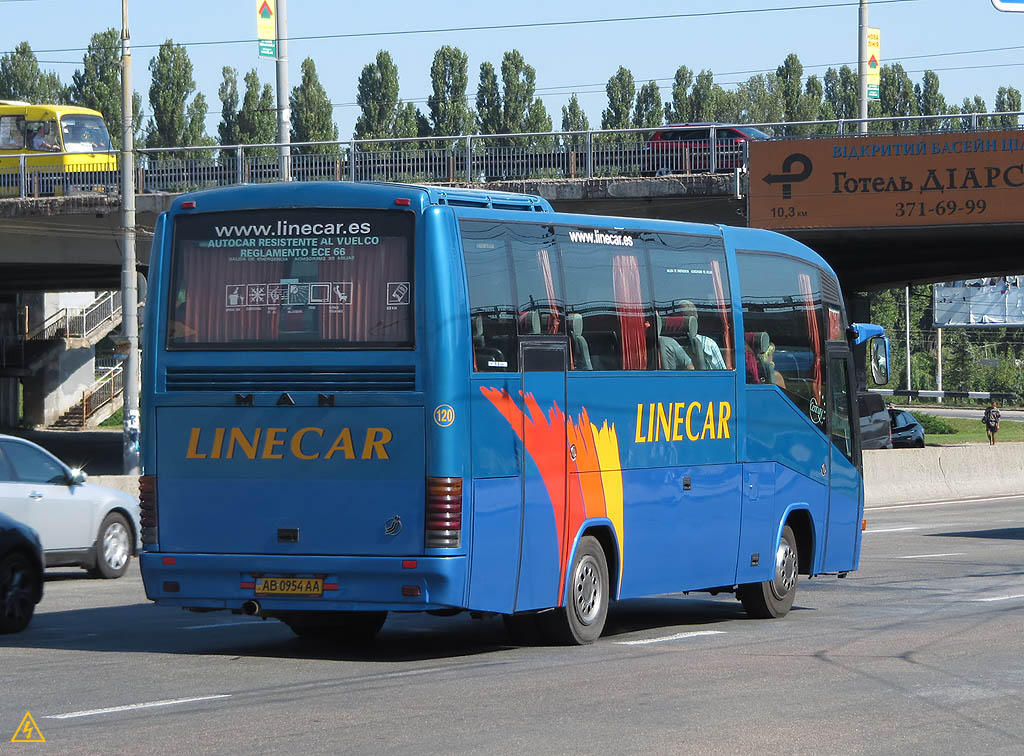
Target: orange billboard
<point>884,181</point>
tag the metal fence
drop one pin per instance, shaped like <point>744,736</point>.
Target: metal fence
<point>467,159</point>
<point>58,173</point>
<point>101,393</point>
<point>79,323</point>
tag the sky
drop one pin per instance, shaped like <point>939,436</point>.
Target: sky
<point>961,35</point>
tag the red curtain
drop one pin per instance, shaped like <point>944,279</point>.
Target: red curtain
<point>368,318</point>
<point>835,325</point>
<point>222,296</point>
<point>723,311</point>
<point>812,330</point>
<point>628,306</point>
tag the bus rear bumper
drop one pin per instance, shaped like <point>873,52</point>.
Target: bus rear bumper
<point>227,581</point>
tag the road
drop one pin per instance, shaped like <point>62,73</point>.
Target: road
<point>970,413</point>
<point>917,653</point>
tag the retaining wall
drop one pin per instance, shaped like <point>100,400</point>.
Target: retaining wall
<point>892,476</point>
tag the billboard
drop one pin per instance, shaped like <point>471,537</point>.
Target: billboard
<point>875,181</point>
<point>980,302</point>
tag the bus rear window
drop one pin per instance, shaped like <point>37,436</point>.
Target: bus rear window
<point>292,279</point>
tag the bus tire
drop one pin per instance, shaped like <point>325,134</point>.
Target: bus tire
<point>774,598</point>
<point>581,620</point>
<point>348,628</point>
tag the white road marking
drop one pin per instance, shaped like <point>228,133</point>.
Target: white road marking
<point>677,636</point>
<point>945,501</point>
<point>928,556</point>
<point>1001,598</point>
<point>891,530</point>
<point>133,707</point>
<point>254,623</point>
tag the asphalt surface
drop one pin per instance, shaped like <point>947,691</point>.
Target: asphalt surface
<point>919,652</point>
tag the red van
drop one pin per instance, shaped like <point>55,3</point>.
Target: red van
<point>686,148</point>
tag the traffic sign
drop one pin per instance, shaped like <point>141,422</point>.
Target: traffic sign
<point>1009,5</point>
<point>874,62</point>
<point>266,28</point>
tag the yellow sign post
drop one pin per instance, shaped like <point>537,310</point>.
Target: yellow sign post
<point>874,62</point>
<point>266,28</point>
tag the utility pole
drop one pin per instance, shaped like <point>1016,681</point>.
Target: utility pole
<point>908,336</point>
<point>862,69</point>
<point>129,276</point>
<point>938,367</point>
<point>284,113</point>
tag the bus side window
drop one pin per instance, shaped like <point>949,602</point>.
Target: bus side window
<point>693,301</point>
<point>12,132</point>
<point>538,277</point>
<point>783,317</point>
<point>493,316</point>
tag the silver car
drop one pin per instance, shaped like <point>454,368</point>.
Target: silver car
<point>80,524</point>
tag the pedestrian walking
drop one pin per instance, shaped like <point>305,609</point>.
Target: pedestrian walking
<point>991,420</point>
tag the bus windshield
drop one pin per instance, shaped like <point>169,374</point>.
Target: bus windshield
<point>84,133</point>
<point>306,278</point>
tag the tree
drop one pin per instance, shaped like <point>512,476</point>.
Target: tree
<point>257,118</point>
<point>518,81</point>
<point>896,95</point>
<point>760,100</point>
<point>227,129</point>
<point>449,113</point>
<point>704,97</point>
<point>97,84</point>
<point>312,113</point>
<point>678,111</point>
<point>488,101</point>
<point>377,96</point>
<point>410,122</point>
<point>621,91</point>
<point>21,79</point>
<point>1007,101</point>
<point>171,84</point>
<point>574,119</point>
<point>648,111</point>
<point>975,105</point>
<point>790,75</point>
<point>841,92</point>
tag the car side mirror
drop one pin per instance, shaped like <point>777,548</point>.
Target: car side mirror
<point>879,348</point>
<point>78,477</point>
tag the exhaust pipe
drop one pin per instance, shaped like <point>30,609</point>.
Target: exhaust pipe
<point>252,608</point>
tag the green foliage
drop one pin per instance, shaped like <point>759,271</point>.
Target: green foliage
<point>312,113</point>
<point>574,119</point>
<point>488,101</point>
<point>227,130</point>
<point>518,83</point>
<point>377,96</point>
<point>678,111</point>
<point>840,92</point>
<point>933,424</point>
<point>1007,100</point>
<point>648,111</point>
<point>449,78</point>
<point>621,91</point>
<point>175,122</point>
<point>257,118</point>
<point>21,79</point>
<point>97,84</point>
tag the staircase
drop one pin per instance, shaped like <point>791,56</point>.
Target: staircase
<point>101,400</point>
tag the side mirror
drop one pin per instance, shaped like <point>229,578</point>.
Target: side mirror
<point>78,477</point>
<point>879,347</point>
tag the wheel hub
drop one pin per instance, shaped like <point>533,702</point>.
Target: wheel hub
<point>785,570</point>
<point>587,591</point>
<point>116,546</point>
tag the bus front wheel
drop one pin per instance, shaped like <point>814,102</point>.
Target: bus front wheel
<point>581,621</point>
<point>774,598</point>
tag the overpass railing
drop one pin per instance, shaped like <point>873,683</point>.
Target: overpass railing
<point>79,322</point>
<point>476,158</point>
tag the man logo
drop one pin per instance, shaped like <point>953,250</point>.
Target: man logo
<point>788,177</point>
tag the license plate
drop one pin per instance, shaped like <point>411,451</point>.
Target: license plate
<point>289,586</point>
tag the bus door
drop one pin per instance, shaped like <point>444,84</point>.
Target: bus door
<point>844,510</point>
<point>543,363</point>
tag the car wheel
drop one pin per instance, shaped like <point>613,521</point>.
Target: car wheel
<point>920,444</point>
<point>113,547</point>
<point>581,621</point>
<point>19,587</point>
<point>774,598</point>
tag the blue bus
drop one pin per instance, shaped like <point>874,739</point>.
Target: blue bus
<point>371,398</point>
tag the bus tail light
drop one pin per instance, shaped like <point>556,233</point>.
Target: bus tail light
<point>444,513</point>
<point>147,508</point>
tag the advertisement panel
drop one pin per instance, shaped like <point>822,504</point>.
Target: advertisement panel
<point>888,181</point>
<point>980,302</point>
<point>874,62</point>
<point>266,28</point>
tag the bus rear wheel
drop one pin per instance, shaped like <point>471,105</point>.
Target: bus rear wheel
<point>350,628</point>
<point>774,598</point>
<point>581,621</point>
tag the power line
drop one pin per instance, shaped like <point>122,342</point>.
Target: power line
<point>499,27</point>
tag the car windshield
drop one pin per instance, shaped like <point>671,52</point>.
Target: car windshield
<point>753,133</point>
<point>84,133</point>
